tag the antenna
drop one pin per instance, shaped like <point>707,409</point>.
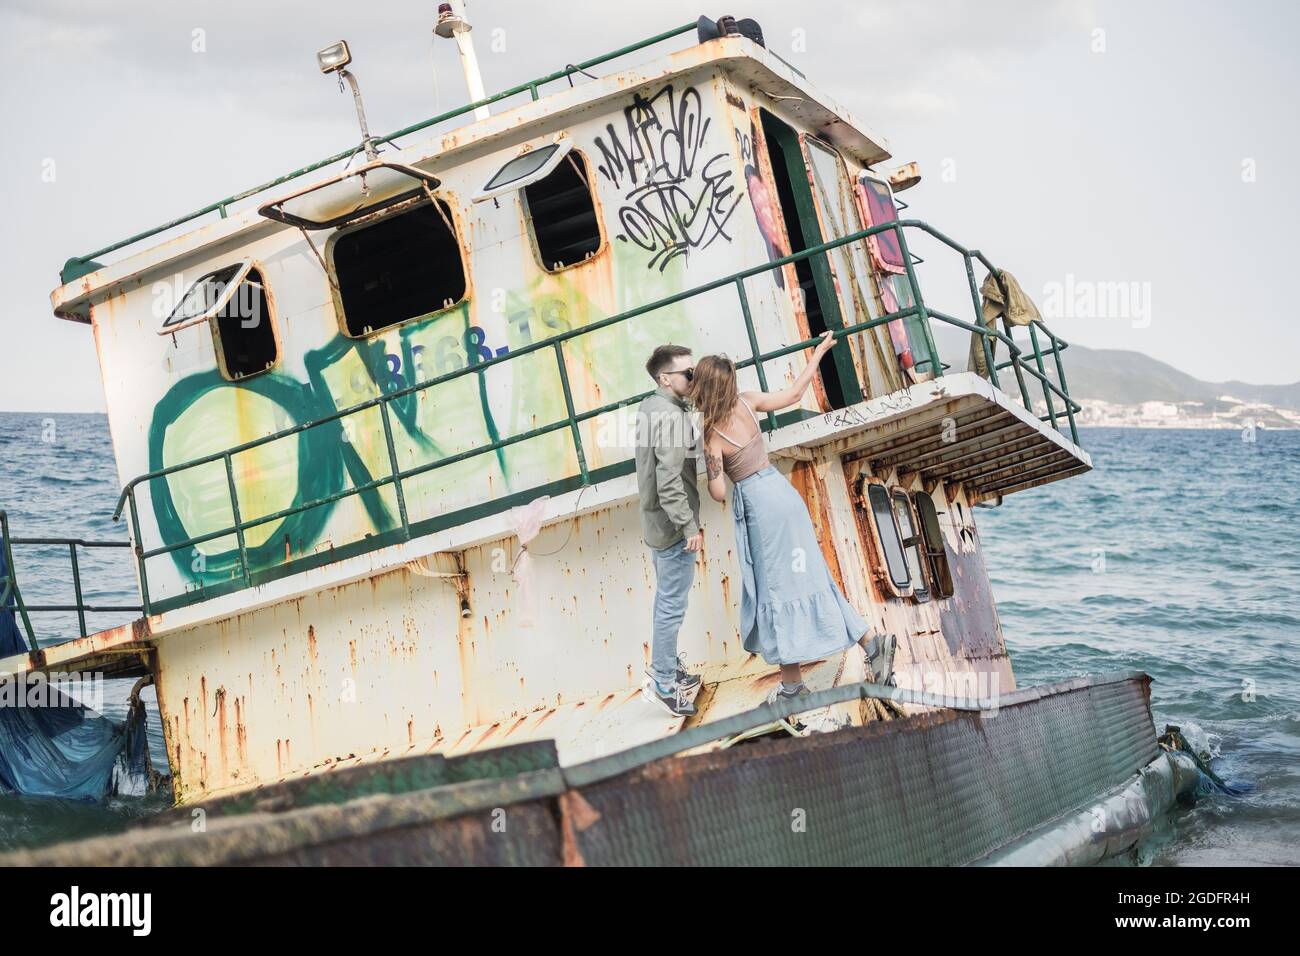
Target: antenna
<point>453,25</point>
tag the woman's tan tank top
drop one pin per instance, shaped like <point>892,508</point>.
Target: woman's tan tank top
<point>749,458</point>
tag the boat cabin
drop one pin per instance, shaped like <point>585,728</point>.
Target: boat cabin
<point>335,406</point>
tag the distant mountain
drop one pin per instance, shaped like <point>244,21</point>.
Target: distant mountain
<point>1128,378</point>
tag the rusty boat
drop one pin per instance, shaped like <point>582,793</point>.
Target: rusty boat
<point>337,401</point>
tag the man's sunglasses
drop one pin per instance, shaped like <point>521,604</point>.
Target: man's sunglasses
<point>688,372</point>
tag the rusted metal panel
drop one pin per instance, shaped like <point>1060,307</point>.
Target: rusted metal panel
<point>121,651</point>
<point>969,619</point>
<point>942,788</point>
<point>945,644</point>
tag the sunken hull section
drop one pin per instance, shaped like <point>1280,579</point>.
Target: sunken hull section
<point>949,787</point>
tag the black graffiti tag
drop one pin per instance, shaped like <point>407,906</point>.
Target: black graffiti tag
<point>675,199</point>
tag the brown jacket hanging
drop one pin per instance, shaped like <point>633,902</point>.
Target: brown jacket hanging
<point>1016,306</point>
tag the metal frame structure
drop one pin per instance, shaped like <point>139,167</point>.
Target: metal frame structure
<point>80,608</point>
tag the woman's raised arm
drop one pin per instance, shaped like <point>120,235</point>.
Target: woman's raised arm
<point>775,401</point>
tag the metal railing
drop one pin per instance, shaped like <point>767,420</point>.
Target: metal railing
<point>78,266</point>
<point>10,591</point>
<point>1024,372</point>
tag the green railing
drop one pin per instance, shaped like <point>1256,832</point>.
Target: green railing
<point>79,266</point>
<point>1052,391</point>
<point>10,592</point>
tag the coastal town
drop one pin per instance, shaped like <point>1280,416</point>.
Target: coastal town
<point>1225,412</point>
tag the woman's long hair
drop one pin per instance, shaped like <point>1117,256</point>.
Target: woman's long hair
<point>713,390</point>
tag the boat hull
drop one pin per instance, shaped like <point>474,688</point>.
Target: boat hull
<point>946,787</point>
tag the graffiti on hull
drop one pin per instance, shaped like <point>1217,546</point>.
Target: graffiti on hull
<point>205,414</point>
<point>678,192</point>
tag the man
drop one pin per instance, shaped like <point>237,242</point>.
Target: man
<point>670,518</point>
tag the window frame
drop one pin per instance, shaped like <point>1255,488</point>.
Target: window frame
<point>943,584</point>
<point>876,242</point>
<point>885,568</point>
<point>255,265</point>
<point>241,266</point>
<point>526,218</point>
<point>920,590</point>
<point>562,145</point>
<point>453,213</point>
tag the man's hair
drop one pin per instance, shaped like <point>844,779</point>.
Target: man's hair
<point>662,357</point>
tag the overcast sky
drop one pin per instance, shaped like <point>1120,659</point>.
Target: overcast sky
<point>1145,147</point>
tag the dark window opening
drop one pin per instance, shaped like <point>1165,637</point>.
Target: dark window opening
<point>887,533</point>
<point>936,551</point>
<point>242,330</point>
<point>911,544</point>
<point>562,215</point>
<point>402,267</point>
<point>789,171</point>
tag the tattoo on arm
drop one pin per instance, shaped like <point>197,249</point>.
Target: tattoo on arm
<point>712,464</point>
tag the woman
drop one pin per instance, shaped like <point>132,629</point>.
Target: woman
<point>791,610</point>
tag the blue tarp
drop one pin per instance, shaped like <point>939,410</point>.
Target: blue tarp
<point>52,746</point>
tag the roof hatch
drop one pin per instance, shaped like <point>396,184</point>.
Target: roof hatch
<point>352,195</point>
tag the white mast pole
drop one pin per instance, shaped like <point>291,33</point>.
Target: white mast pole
<point>452,23</point>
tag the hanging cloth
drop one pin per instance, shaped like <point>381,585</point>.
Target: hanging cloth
<point>1002,298</point>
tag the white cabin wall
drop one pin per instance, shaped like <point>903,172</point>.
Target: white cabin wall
<point>165,391</point>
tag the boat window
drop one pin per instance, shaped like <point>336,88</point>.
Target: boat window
<point>878,204</point>
<point>206,297</point>
<point>404,266</point>
<point>562,215</point>
<point>527,167</point>
<point>936,551</point>
<point>891,542</point>
<point>911,544</point>
<point>832,191</point>
<point>243,332</point>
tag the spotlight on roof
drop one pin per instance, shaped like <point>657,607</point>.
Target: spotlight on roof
<point>334,57</point>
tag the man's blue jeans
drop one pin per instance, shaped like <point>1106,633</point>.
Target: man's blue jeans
<point>674,572</point>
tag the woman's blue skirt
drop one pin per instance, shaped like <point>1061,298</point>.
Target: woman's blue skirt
<point>791,610</point>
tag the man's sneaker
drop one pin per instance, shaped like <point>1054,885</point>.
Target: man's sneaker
<point>686,680</point>
<point>880,661</point>
<point>674,702</point>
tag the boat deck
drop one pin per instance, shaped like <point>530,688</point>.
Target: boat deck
<point>958,428</point>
